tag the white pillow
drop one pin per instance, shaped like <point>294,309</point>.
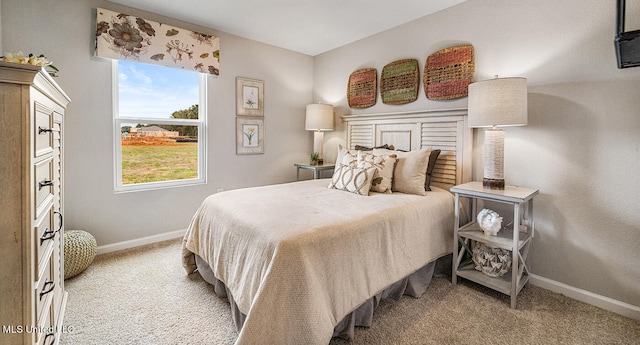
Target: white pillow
<point>410,173</point>
<point>341,152</point>
<point>383,177</point>
<point>352,179</point>
<point>351,160</point>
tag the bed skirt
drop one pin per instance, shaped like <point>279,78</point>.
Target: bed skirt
<point>414,285</point>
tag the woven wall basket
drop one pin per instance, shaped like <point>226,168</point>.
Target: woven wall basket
<point>362,91</point>
<point>448,73</point>
<point>399,82</point>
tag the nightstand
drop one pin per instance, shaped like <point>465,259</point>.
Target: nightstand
<point>317,169</point>
<point>510,239</point>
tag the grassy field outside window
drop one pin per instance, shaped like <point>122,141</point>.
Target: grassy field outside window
<point>156,163</point>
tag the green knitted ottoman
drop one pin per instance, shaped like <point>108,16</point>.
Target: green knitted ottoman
<point>80,249</point>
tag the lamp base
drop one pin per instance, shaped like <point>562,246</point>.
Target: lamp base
<point>493,183</point>
<point>318,143</point>
<point>493,159</point>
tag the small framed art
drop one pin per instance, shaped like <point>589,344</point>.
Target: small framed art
<point>249,135</point>
<point>249,97</point>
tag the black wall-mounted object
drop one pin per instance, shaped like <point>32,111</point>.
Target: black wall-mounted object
<point>627,43</point>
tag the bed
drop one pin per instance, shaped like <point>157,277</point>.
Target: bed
<point>301,262</point>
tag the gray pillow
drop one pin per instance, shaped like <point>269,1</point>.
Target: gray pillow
<point>433,156</point>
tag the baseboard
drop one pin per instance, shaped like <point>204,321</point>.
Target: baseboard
<point>600,301</point>
<point>140,241</point>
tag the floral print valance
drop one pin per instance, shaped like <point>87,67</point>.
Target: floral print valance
<point>125,37</point>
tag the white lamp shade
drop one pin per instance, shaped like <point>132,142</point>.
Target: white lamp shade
<point>498,102</point>
<point>319,117</point>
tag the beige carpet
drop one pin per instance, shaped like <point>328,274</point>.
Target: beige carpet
<point>143,296</point>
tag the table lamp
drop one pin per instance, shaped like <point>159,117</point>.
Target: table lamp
<point>496,103</point>
<point>319,119</point>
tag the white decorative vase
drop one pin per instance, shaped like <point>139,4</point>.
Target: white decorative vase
<point>489,221</point>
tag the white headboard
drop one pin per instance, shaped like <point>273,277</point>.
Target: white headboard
<point>446,130</point>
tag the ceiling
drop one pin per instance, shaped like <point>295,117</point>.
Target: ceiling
<point>310,27</point>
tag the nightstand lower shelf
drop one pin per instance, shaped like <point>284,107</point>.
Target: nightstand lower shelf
<point>500,284</point>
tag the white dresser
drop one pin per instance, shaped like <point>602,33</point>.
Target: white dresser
<point>32,295</point>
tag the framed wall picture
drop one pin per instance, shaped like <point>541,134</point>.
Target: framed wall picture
<point>249,97</point>
<point>249,135</point>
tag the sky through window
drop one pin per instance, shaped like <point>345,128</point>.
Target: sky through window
<point>151,91</point>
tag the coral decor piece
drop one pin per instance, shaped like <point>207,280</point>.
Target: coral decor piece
<point>490,222</point>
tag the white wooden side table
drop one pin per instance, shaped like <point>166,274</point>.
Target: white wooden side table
<point>521,199</point>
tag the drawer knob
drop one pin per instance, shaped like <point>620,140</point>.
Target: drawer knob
<point>44,130</point>
<point>44,183</point>
<point>50,284</point>
<point>47,235</point>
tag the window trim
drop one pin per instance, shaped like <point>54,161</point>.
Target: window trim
<point>201,123</point>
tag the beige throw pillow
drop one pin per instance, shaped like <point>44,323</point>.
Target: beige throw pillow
<point>410,172</point>
<point>352,179</point>
<point>353,154</point>
<point>383,177</point>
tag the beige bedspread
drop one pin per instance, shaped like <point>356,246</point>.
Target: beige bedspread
<point>298,257</point>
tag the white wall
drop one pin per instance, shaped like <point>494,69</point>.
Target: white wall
<point>64,31</point>
<point>581,148</point>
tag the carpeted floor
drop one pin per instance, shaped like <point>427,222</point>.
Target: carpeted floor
<point>143,296</point>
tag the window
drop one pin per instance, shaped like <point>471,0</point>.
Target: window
<point>159,126</point>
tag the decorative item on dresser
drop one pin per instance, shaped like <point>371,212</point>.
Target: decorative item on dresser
<point>31,206</point>
<point>497,103</point>
<point>319,118</point>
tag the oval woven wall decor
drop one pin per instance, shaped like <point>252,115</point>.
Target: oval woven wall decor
<point>399,82</point>
<point>448,73</point>
<point>362,91</point>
